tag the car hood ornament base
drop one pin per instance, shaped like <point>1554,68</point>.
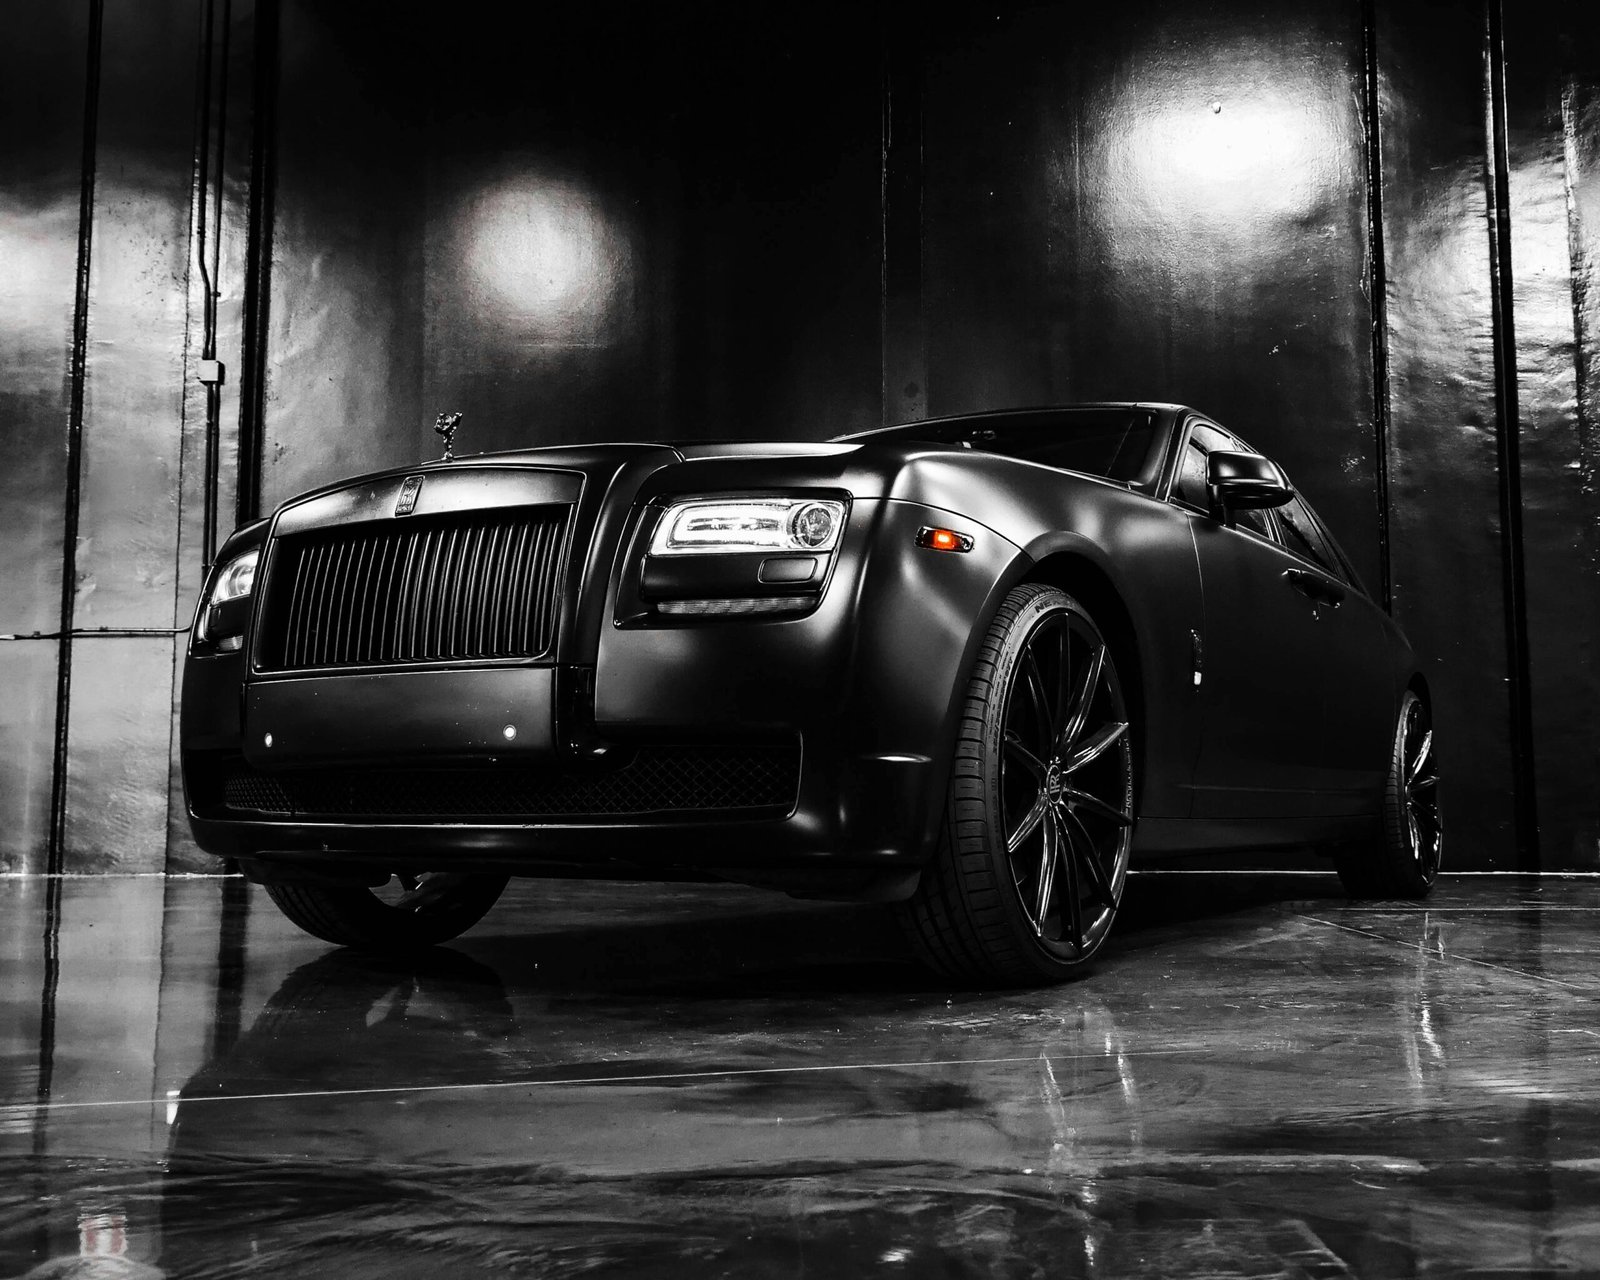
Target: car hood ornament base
<point>445,424</point>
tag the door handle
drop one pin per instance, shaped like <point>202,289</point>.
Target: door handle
<point>1315,587</point>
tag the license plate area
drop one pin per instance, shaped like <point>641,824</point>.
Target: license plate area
<point>500,714</point>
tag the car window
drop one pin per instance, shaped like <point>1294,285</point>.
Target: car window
<point>1302,536</point>
<point>1347,568</point>
<point>1190,485</point>
<point>1118,445</point>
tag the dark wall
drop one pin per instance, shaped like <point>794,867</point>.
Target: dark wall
<point>627,225</point>
<point>1361,234</point>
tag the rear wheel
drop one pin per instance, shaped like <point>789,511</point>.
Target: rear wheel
<point>1039,819</point>
<point>408,912</point>
<point>1405,857</point>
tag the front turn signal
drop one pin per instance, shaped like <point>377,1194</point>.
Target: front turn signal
<point>943,539</point>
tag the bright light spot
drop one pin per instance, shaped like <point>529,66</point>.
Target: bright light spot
<point>1234,146</point>
<point>545,256</point>
<point>1266,156</point>
<point>895,1255</point>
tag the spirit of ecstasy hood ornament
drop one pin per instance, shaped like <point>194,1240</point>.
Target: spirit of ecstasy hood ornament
<point>445,424</point>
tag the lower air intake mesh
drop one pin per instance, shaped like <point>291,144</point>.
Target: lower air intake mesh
<point>659,779</point>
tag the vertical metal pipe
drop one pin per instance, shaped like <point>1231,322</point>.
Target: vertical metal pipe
<point>208,332</point>
<point>208,204</point>
<point>78,373</point>
<point>1378,288</point>
<point>258,261</point>
<point>1508,427</point>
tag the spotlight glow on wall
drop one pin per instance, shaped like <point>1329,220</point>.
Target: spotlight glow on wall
<point>546,257</point>
<point>1224,148</point>
<point>1257,154</point>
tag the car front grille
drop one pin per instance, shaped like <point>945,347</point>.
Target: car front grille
<point>469,585</point>
<point>665,779</point>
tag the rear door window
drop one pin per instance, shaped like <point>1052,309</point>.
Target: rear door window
<point>1302,536</point>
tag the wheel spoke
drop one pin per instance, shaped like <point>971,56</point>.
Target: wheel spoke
<point>1063,710</point>
<point>1423,784</point>
<point>1073,729</point>
<point>1089,857</point>
<point>1094,745</point>
<point>1029,824</point>
<point>1413,831</point>
<point>1097,806</point>
<point>1074,913</point>
<point>1047,874</point>
<point>1424,752</point>
<point>1029,761</point>
<point>1041,703</point>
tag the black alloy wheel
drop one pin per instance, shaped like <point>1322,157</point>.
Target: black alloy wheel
<point>1039,825</point>
<point>1410,841</point>
<point>407,912</point>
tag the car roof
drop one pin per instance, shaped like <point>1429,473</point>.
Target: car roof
<point>1018,416</point>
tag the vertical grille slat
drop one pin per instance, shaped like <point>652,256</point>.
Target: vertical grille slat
<point>422,585</point>
<point>506,617</point>
<point>297,595</point>
<point>314,610</point>
<point>450,597</point>
<point>545,619</point>
<point>473,585</point>
<point>471,608</point>
<point>361,619</point>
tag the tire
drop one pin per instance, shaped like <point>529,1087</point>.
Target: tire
<point>1403,860</point>
<point>426,910</point>
<point>1038,825</point>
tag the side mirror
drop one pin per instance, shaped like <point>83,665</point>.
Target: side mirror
<point>1239,481</point>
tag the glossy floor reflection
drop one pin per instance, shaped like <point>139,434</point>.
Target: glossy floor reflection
<point>1259,1079</point>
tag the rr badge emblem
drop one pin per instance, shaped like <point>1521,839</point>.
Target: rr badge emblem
<point>406,503</point>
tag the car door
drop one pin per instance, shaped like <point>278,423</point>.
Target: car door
<point>1350,745</point>
<point>1288,684</point>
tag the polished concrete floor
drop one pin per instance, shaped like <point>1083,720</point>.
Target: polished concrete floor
<point>1259,1079</point>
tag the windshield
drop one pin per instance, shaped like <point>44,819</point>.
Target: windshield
<point>1118,444</point>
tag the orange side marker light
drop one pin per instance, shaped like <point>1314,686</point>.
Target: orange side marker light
<point>943,539</point>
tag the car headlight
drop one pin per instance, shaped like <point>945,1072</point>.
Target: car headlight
<point>704,526</point>
<point>237,578</point>
<point>225,613</point>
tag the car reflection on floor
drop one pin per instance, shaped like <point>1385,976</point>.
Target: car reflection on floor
<point>1261,1079</point>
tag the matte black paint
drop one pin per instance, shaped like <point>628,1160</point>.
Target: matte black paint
<point>1285,738</point>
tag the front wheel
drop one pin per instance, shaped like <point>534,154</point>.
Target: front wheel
<point>407,913</point>
<point>1404,859</point>
<point>1038,823</point>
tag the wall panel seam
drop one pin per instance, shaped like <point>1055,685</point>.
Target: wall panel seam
<point>78,370</point>
<point>1508,428</point>
<point>1378,290</point>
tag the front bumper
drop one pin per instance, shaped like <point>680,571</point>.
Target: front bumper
<point>851,707</point>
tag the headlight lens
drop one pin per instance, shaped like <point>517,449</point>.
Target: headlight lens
<point>706,525</point>
<point>236,579</point>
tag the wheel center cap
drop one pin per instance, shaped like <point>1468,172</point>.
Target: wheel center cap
<point>1052,781</point>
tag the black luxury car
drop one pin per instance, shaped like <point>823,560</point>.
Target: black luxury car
<point>968,666</point>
